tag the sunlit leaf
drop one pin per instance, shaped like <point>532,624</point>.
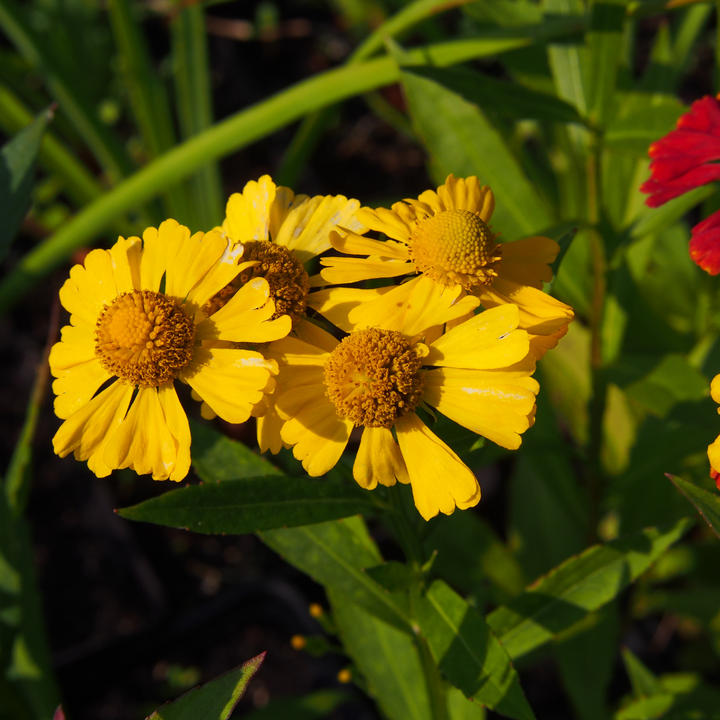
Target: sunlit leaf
<point>706,503</point>
<point>213,701</point>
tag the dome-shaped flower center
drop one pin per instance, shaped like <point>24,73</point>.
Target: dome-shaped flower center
<point>284,273</point>
<point>455,246</point>
<point>145,338</point>
<point>373,377</point>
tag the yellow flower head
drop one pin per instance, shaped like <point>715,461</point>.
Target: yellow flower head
<point>478,374</point>
<point>281,231</point>
<point>136,327</point>
<point>446,237</point>
<point>714,448</point>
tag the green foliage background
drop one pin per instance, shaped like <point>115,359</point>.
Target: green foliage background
<point>596,538</point>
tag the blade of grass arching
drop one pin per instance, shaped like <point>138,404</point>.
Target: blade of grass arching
<point>228,136</point>
<point>104,145</point>
<point>194,104</point>
<point>313,126</point>
<point>692,23</point>
<point>147,97</point>
<point>17,477</point>
<point>78,183</point>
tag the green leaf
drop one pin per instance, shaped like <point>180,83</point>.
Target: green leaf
<point>468,653</point>
<point>580,585</point>
<point>251,505</point>
<point>505,13</point>
<point>315,706</point>
<point>653,220</point>
<point>706,503</point>
<point>643,682</point>
<point>586,661</point>
<point>387,658</point>
<point>216,457</point>
<point>604,44</point>
<point>461,140</point>
<point>17,165</point>
<point>462,708</point>
<point>499,98</point>
<point>336,554</point>
<point>468,551</point>
<point>213,701</point>
<point>642,119</point>
<point>393,576</point>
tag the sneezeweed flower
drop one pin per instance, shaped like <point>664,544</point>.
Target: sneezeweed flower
<point>478,374</point>
<point>683,160</point>
<point>135,328</point>
<point>714,448</point>
<point>443,236</point>
<point>281,231</point>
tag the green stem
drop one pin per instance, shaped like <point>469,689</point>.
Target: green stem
<point>599,380</point>
<point>404,530</point>
<point>435,684</point>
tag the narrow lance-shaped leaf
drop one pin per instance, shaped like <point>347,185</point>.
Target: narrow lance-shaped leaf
<point>387,658</point>
<point>213,701</point>
<point>461,140</point>
<point>706,503</point>
<point>251,505</point>
<point>336,555</point>
<point>17,163</point>
<point>578,586</point>
<point>468,653</point>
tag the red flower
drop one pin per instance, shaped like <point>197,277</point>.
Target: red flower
<point>682,161</point>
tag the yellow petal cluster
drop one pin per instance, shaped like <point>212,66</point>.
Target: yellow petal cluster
<point>456,331</point>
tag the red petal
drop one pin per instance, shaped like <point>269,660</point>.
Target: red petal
<point>683,159</point>
<point>705,244</point>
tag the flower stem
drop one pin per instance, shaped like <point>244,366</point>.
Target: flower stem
<point>404,531</point>
<point>598,400</point>
<point>435,684</point>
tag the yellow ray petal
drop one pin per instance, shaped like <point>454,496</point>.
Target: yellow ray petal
<point>492,408</point>
<point>433,304</point>
<point>317,433</point>
<point>379,460</point>
<point>715,389</point>
<point>488,340</point>
<point>153,261</point>
<point>247,215</point>
<point>540,344</point>
<point>189,260</point>
<point>90,287</point>
<point>713,452</point>
<point>440,480</point>
<point>76,386</point>
<point>179,427</point>
<point>351,243</point>
<point>285,200</point>
<point>335,304</point>
<point>93,423</point>
<point>268,432</point>
<point>387,310</point>
<point>386,221</point>
<point>540,314</point>
<point>342,271</point>
<point>307,227</point>
<point>246,317</point>
<point>125,256</point>
<point>143,442</point>
<point>219,275</point>
<point>77,346</point>
<point>527,262</point>
<point>466,194</point>
<point>310,333</point>
<point>231,382</point>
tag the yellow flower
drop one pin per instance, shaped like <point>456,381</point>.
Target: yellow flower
<point>444,236</point>
<point>136,327</point>
<point>478,374</point>
<point>281,231</point>
<point>714,448</point>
